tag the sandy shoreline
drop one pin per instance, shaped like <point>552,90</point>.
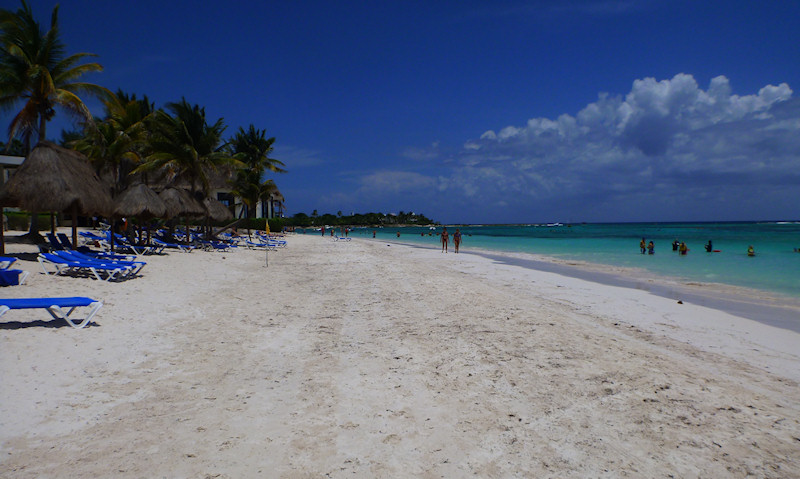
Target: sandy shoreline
<point>766,307</point>
<point>376,360</point>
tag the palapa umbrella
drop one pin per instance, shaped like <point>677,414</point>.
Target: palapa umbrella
<point>140,201</point>
<point>56,179</point>
<point>217,211</point>
<point>179,202</point>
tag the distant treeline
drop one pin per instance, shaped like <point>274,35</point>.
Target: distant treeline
<point>304,220</point>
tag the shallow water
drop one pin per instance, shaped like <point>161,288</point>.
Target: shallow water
<point>775,268</point>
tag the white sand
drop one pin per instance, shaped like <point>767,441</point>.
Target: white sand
<point>360,359</point>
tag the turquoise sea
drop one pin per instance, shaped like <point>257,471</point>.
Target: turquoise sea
<point>775,267</point>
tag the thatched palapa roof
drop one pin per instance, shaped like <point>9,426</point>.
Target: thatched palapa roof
<point>216,210</point>
<point>141,201</point>
<point>53,178</point>
<point>179,202</point>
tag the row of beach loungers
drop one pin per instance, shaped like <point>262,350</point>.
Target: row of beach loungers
<point>64,258</point>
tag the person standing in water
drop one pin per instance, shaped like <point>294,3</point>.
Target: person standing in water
<point>445,240</point>
<point>651,248</point>
<point>456,239</point>
<point>642,246</point>
<point>751,251</point>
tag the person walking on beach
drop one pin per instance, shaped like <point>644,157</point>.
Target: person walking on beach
<point>445,240</point>
<point>456,239</point>
<point>642,246</point>
<point>651,248</point>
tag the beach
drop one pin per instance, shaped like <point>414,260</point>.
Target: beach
<point>373,359</point>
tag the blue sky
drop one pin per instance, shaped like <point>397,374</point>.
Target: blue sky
<point>478,111</point>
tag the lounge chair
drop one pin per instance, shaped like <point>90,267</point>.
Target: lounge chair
<point>63,266</point>
<point>216,245</point>
<point>135,266</point>
<point>65,244</point>
<point>123,242</point>
<point>53,243</point>
<point>259,245</point>
<point>54,306</point>
<point>181,247</point>
<point>6,261</point>
<point>12,277</point>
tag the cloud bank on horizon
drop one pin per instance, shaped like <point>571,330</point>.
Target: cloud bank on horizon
<point>668,150</point>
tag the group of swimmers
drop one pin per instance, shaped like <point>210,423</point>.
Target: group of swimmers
<point>681,248</point>
<point>650,247</point>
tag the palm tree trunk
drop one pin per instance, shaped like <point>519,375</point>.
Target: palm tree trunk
<point>75,225</point>
<point>2,231</point>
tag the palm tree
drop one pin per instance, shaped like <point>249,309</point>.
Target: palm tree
<point>118,143</point>
<point>253,149</point>
<point>185,147</point>
<point>249,186</point>
<point>34,69</point>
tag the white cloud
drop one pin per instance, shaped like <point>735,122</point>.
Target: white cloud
<point>663,136</point>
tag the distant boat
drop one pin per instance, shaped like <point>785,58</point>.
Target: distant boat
<point>550,225</point>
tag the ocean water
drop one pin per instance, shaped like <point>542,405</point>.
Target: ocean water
<point>775,267</point>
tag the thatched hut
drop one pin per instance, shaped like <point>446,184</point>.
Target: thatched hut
<point>216,210</point>
<point>180,203</point>
<point>140,201</point>
<point>56,179</point>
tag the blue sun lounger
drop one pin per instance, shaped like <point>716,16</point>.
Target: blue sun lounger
<point>135,266</point>
<point>63,265</point>
<point>12,277</point>
<point>54,306</point>
<point>163,244</point>
<point>6,261</point>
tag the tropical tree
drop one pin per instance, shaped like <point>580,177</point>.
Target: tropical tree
<point>35,70</point>
<point>14,148</point>
<point>184,146</point>
<point>252,148</point>
<point>118,143</point>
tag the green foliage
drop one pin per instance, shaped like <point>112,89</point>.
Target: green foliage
<point>186,146</point>
<point>275,224</point>
<point>19,220</point>
<point>252,148</point>
<point>118,143</point>
<point>35,71</point>
<point>368,219</point>
<point>14,148</point>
